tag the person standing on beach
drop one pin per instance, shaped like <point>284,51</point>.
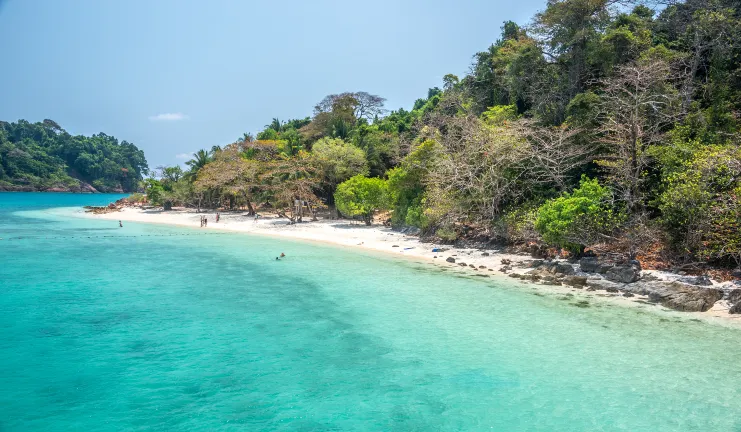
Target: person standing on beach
<point>218,216</point>
<point>201,221</point>
<point>205,222</point>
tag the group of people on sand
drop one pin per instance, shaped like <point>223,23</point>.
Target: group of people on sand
<point>204,220</point>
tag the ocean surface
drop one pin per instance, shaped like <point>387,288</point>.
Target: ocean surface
<point>155,328</point>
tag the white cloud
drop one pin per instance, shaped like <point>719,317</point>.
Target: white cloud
<point>184,155</point>
<point>168,117</point>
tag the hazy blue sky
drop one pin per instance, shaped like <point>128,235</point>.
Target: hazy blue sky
<point>173,76</point>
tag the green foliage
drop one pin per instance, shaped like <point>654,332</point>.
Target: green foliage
<point>446,234</point>
<point>154,191</point>
<point>43,155</point>
<point>517,225</point>
<point>338,161</point>
<point>407,185</point>
<point>499,115</point>
<point>701,204</point>
<point>362,196</point>
<point>136,198</point>
<point>572,220</point>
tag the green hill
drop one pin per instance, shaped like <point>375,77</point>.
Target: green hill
<point>44,157</point>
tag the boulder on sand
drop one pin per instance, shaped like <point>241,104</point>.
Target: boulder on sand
<point>688,298</point>
<point>589,265</point>
<point>553,268</point>
<point>624,274</point>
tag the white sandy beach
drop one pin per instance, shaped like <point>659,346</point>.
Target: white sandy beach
<point>384,239</point>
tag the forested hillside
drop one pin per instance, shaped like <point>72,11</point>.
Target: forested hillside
<point>43,156</point>
<point>602,124</point>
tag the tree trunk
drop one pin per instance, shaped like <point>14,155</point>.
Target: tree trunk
<point>250,209</point>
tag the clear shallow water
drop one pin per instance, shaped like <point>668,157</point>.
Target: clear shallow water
<point>157,328</point>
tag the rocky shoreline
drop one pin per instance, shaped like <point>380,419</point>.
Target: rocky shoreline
<point>680,293</point>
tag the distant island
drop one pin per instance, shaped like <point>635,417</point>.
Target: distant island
<point>44,157</point>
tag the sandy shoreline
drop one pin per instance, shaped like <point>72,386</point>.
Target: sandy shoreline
<point>383,239</point>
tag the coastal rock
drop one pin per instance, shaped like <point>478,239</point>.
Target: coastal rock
<point>735,309</point>
<point>530,263</point>
<point>575,281</point>
<point>485,254</point>
<point>589,265</point>
<point>624,274</point>
<point>538,251</point>
<point>450,260</point>
<point>697,280</point>
<point>553,268</point>
<point>505,261</point>
<point>684,297</point>
<point>733,296</point>
<point>602,285</point>
<point>551,280</point>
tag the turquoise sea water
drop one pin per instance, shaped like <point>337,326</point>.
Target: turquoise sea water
<point>156,328</point>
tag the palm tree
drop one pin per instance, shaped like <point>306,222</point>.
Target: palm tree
<point>248,137</point>
<point>275,125</point>
<point>200,159</point>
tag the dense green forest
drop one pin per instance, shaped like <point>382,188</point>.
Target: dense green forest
<point>602,124</point>
<point>43,156</point>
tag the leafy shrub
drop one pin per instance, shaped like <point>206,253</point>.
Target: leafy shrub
<point>577,219</point>
<point>446,234</point>
<point>518,225</point>
<point>407,186</point>
<point>362,196</point>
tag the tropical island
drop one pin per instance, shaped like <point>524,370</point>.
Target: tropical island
<point>603,129</point>
<point>547,239</point>
<point>44,157</point>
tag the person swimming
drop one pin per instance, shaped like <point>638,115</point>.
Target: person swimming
<point>120,225</point>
